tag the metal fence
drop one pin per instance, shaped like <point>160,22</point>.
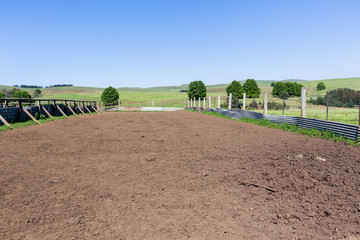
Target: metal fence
<point>341,129</point>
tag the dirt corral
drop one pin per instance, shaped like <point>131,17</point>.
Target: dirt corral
<point>174,175</point>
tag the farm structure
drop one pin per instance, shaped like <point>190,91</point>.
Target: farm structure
<point>174,175</point>
<point>19,110</point>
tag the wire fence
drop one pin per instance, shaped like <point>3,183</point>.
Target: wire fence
<point>290,107</point>
<point>349,131</point>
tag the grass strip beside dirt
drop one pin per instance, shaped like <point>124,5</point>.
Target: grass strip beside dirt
<point>315,133</point>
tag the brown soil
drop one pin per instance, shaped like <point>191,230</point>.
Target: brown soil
<point>174,175</point>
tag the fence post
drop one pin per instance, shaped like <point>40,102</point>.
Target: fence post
<point>20,111</point>
<point>209,102</point>
<point>199,103</point>
<point>153,103</point>
<point>244,101</point>
<point>230,100</point>
<point>218,101</point>
<point>359,113</point>
<point>265,103</point>
<point>303,102</point>
<point>327,106</point>
<point>283,105</point>
<point>204,103</point>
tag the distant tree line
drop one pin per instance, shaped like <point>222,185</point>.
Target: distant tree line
<point>36,86</point>
<point>59,85</point>
<point>27,86</point>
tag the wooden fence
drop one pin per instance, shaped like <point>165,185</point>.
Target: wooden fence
<point>23,109</point>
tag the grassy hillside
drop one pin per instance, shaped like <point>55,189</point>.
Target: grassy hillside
<point>173,92</point>
<point>171,96</point>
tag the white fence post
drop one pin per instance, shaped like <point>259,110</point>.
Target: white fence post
<point>218,101</point>
<point>199,103</point>
<point>244,101</point>
<point>188,103</point>
<point>204,104</point>
<point>230,96</point>
<point>153,103</point>
<point>209,101</point>
<point>303,102</point>
<point>265,103</point>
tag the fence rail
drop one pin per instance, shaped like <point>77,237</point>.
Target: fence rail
<point>26,108</point>
<point>342,129</point>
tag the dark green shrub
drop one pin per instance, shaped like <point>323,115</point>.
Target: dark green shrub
<point>38,116</point>
<point>320,86</point>
<point>22,94</point>
<point>37,93</point>
<point>341,97</point>
<point>110,96</point>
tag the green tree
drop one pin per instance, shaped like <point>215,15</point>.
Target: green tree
<point>110,96</point>
<point>251,88</point>
<point>235,89</point>
<point>320,86</point>
<point>197,89</point>
<point>273,84</point>
<point>292,88</point>
<point>297,89</point>
<point>22,94</point>
<point>2,95</point>
<point>13,91</point>
<point>37,93</point>
<point>278,88</point>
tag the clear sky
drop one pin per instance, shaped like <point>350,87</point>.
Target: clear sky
<point>170,42</point>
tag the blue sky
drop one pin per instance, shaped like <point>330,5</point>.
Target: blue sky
<point>157,43</point>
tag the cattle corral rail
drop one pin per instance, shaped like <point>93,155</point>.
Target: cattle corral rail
<point>23,109</point>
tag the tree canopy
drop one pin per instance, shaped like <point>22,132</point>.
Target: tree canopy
<point>110,96</point>
<point>235,89</point>
<point>251,88</point>
<point>37,93</point>
<point>292,88</point>
<point>197,89</point>
<point>22,94</point>
<point>320,86</point>
<point>2,95</point>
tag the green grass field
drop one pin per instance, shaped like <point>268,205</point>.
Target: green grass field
<point>172,97</point>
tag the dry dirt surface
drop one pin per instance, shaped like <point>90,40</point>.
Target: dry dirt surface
<point>174,175</point>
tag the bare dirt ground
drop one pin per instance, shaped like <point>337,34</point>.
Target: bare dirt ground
<point>174,175</point>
